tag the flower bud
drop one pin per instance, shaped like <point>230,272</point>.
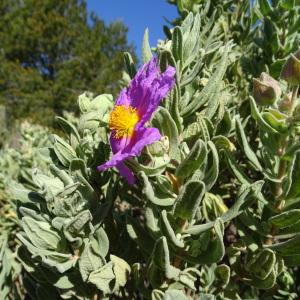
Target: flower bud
<point>285,104</point>
<point>266,90</point>
<point>291,69</point>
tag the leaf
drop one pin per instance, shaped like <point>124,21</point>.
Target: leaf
<point>155,167</point>
<point>265,7</point>
<point>257,116</point>
<point>64,152</point>
<point>175,295</point>
<point>215,249</point>
<point>172,105</point>
<point>103,278</point>
<point>212,171</point>
<point>89,260</point>
<point>287,4</point>
<point>276,120</point>
<point>163,120</point>
<point>201,128</point>
<point>189,199</point>
<point>285,219</point>
<point>42,252</point>
<point>192,41</point>
<point>193,161</point>
<point>166,59</point>
<point>245,145</point>
<point>222,273</point>
<point>34,214</point>
<point>236,169</point>
<point>289,250</point>
<point>246,193</point>
<point>223,143</point>
<point>168,231</point>
<point>102,242</point>
<point>177,44</point>
<point>146,49</point>
<point>262,264</point>
<point>265,284</point>
<point>161,199</point>
<point>138,234</point>
<point>129,64</point>
<point>76,224</point>
<point>84,102</point>
<point>68,128</point>
<point>121,269</point>
<point>211,90</point>
<point>291,185</point>
<point>161,258</point>
<point>41,234</point>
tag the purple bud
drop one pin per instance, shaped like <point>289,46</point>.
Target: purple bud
<point>291,69</point>
<point>266,90</point>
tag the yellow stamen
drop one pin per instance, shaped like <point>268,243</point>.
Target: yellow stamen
<point>122,120</point>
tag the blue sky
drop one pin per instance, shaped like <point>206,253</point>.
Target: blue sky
<point>137,15</point>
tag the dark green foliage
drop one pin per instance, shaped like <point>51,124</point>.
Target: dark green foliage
<point>52,51</point>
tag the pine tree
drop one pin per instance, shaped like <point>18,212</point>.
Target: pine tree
<point>53,50</point>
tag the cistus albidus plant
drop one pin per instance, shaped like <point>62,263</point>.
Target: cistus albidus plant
<point>203,202</point>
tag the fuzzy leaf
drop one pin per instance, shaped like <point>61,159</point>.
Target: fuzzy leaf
<point>291,186</point>
<point>161,258</point>
<point>211,90</point>
<point>103,278</point>
<point>167,229</point>
<point>177,47</point>
<point>245,145</point>
<point>189,200</point>
<point>146,50</point>
<point>212,171</point>
<point>163,120</point>
<point>260,120</point>
<point>64,152</point>
<point>89,261</point>
<point>286,218</point>
<point>193,161</point>
<point>121,269</point>
<point>41,234</point>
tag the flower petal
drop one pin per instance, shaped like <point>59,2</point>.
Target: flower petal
<point>141,138</point>
<point>123,98</point>
<point>126,173</point>
<point>149,87</point>
<point>118,144</point>
<point>163,86</point>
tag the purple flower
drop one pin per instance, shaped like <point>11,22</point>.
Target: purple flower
<point>132,110</point>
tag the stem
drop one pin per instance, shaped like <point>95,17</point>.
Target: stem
<point>281,152</point>
<point>95,297</point>
<point>177,260</point>
<point>279,201</point>
<point>293,99</point>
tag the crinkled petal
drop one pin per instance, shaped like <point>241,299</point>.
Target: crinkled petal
<point>141,138</point>
<point>115,160</point>
<point>126,173</point>
<point>123,98</point>
<point>118,144</point>
<point>163,86</point>
<point>149,87</point>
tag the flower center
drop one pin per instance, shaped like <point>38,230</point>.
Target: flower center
<point>122,120</point>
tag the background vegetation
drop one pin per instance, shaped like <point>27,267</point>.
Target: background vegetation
<point>51,51</point>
